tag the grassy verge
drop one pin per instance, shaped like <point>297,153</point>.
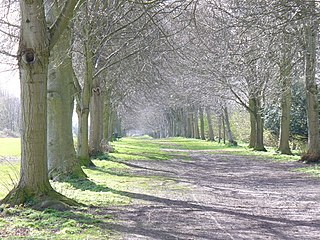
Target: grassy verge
<point>220,148</point>
<point>110,184</point>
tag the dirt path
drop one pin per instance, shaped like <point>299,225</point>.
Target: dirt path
<point>222,197</point>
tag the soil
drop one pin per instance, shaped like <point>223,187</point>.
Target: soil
<point>221,197</point>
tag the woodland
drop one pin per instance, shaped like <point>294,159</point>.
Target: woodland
<point>228,71</point>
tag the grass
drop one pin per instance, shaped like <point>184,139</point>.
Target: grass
<point>111,183</point>
<point>10,147</point>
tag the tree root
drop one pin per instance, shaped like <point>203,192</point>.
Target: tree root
<point>39,200</point>
<point>310,158</point>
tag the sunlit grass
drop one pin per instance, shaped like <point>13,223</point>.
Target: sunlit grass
<point>9,176</point>
<point>313,170</point>
<point>10,147</point>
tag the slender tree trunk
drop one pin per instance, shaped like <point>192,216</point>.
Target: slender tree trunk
<point>83,111</point>
<point>189,125</point>
<point>219,120</point>
<point>96,120</point>
<point>106,115</point>
<point>223,128</point>
<point>253,122</point>
<point>285,75</point>
<point>228,128</point>
<point>259,145</point>
<point>210,129</point>
<point>196,125</point>
<point>203,137</point>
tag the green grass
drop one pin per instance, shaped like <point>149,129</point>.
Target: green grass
<point>110,184</point>
<point>142,148</point>
<point>10,147</point>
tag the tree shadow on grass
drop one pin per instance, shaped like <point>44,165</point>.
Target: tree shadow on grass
<point>132,165</point>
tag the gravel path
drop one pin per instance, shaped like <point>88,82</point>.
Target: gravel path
<point>222,197</point>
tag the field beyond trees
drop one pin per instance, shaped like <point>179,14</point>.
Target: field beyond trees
<point>173,188</point>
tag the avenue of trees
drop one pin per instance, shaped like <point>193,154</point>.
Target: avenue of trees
<point>169,68</point>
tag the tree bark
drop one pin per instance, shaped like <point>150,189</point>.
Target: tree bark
<point>253,123</point>
<point>196,124</point>
<point>220,122</point>
<point>62,160</point>
<point>285,77</point>
<point>83,110</point>
<point>210,129</point>
<point>203,137</point>
<point>259,145</point>
<point>228,128</point>
<point>311,32</point>
<point>96,120</point>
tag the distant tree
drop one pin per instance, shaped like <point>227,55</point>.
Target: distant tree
<point>9,112</point>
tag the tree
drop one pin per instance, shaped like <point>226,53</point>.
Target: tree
<point>62,160</point>
<point>310,36</point>
<point>36,41</point>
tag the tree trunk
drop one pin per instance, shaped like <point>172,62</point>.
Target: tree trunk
<point>203,137</point>
<point>62,160</point>
<point>228,128</point>
<point>223,128</point>
<point>253,123</point>
<point>210,129</point>
<point>196,125</point>
<point>83,111</point>
<point>259,145</point>
<point>96,120</point>
<point>106,115</point>
<point>34,187</point>
<point>189,125</point>
<point>285,76</point>
<point>219,120</point>
<point>311,32</point>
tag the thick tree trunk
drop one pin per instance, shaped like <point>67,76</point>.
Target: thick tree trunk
<point>210,128</point>
<point>285,75</point>
<point>34,187</point>
<point>62,160</point>
<point>203,137</point>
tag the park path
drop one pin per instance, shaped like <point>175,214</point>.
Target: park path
<point>222,197</point>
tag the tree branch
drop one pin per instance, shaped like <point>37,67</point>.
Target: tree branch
<point>62,21</point>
